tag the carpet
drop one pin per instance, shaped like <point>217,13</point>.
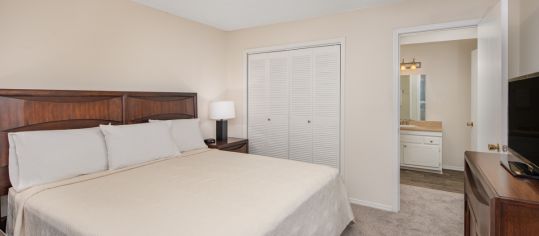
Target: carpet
<point>423,212</point>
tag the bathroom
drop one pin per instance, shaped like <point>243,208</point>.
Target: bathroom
<point>437,74</point>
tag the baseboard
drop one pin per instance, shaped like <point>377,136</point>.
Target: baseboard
<point>375,205</point>
<point>457,168</point>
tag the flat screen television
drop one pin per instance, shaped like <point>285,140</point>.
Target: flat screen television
<point>523,101</point>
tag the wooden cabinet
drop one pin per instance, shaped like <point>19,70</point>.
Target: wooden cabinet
<point>496,203</point>
<point>421,150</point>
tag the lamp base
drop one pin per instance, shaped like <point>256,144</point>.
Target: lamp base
<point>222,130</point>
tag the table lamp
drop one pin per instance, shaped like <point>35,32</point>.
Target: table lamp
<point>222,111</point>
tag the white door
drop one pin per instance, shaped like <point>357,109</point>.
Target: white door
<point>277,129</point>
<point>326,105</point>
<point>294,104</point>
<point>268,104</point>
<point>301,105</point>
<point>491,113</point>
<point>258,113</point>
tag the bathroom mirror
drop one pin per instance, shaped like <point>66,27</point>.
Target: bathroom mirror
<point>413,97</point>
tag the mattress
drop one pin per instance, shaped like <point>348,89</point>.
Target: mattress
<point>205,192</point>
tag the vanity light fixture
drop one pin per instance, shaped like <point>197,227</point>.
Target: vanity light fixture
<point>410,65</point>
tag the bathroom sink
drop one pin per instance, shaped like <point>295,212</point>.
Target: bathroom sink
<point>408,126</point>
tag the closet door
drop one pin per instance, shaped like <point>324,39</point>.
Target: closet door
<point>326,105</point>
<point>277,128</point>
<point>301,105</point>
<point>258,109</point>
<point>294,104</point>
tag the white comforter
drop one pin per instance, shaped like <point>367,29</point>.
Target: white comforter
<point>207,192</point>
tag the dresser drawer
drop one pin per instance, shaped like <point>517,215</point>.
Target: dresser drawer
<point>421,139</point>
<point>412,139</point>
<point>478,203</point>
<point>432,140</point>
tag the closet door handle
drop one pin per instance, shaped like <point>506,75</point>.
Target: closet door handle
<point>269,119</point>
<point>309,121</point>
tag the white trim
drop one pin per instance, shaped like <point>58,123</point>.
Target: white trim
<point>370,204</point>
<point>504,7</point>
<point>440,36</point>
<point>457,168</point>
<point>396,122</point>
<point>443,26</point>
<point>293,46</point>
<point>396,89</point>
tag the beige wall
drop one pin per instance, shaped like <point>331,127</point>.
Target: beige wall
<point>447,66</point>
<point>109,45</point>
<point>370,135</point>
<point>523,37</point>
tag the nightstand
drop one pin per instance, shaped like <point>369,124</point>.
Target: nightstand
<point>231,144</point>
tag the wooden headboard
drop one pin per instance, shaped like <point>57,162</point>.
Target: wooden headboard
<point>29,110</point>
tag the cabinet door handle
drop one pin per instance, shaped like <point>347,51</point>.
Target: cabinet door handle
<point>269,119</point>
<point>309,121</point>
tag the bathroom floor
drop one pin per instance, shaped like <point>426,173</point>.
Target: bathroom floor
<point>450,180</point>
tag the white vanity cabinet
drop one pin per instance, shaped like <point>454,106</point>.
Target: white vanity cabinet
<point>421,150</point>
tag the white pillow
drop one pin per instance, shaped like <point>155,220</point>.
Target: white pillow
<point>39,157</point>
<point>186,134</point>
<point>133,144</point>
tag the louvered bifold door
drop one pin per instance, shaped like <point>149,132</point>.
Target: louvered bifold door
<point>301,105</point>
<point>294,104</point>
<point>277,133</point>
<point>258,109</point>
<point>326,105</point>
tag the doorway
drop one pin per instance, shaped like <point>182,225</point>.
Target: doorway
<point>489,94</point>
<point>435,84</point>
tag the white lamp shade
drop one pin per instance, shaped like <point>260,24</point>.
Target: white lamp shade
<point>222,110</point>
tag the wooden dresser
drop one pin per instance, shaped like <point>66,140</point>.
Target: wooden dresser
<point>496,203</point>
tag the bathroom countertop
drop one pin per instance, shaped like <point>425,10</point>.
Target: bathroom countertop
<point>427,126</point>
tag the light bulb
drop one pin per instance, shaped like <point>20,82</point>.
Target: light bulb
<point>413,67</point>
<point>403,67</point>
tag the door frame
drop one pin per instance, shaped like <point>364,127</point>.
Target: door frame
<point>295,46</point>
<point>396,87</point>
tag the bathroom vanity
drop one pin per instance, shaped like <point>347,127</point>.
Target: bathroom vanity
<point>420,140</point>
<point>421,145</point>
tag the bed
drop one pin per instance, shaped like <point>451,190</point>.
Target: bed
<point>202,192</point>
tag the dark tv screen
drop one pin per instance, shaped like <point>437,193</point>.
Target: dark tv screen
<point>524,118</point>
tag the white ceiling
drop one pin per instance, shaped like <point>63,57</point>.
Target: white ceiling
<point>239,14</point>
